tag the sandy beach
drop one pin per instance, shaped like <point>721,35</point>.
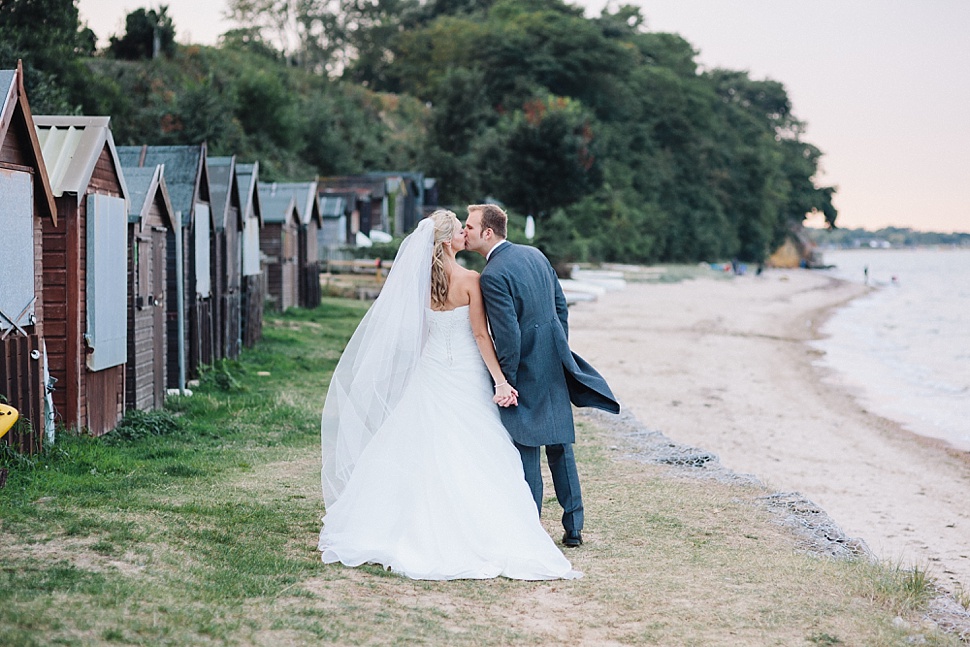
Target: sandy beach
<point>725,365</point>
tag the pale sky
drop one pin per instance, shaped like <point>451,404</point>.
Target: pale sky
<point>882,84</point>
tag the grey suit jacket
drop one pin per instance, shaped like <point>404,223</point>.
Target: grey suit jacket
<point>528,316</point>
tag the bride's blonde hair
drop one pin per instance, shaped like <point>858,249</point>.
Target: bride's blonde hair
<point>445,227</point>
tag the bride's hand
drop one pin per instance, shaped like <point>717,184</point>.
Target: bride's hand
<point>506,396</point>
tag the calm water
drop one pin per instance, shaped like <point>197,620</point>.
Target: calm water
<point>905,348</point>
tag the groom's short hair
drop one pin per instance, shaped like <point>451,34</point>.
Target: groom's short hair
<point>492,218</point>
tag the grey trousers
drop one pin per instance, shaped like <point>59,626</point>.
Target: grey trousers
<point>565,480</point>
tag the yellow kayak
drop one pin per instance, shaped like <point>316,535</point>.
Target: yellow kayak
<point>8,416</point>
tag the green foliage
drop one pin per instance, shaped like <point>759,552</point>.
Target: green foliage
<point>137,425</point>
<point>219,376</point>
<point>609,134</point>
<point>895,236</point>
<point>148,34</point>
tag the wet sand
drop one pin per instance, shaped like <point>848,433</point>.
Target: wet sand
<point>724,365</point>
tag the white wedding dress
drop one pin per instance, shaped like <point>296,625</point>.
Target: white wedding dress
<point>438,493</point>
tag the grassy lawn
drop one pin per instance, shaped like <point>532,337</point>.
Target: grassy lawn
<point>198,525</point>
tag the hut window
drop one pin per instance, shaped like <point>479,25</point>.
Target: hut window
<point>16,247</point>
<point>143,261</point>
<point>107,281</point>
<point>203,285</point>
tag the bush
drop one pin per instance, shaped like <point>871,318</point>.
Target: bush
<point>137,425</point>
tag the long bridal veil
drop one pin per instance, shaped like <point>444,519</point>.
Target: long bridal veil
<point>375,367</point>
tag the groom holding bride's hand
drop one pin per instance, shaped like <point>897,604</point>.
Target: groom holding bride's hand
<point>527,315</point>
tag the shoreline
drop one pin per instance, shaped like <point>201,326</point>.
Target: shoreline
<point>729,366</point>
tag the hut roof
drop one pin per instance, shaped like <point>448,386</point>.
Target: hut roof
<point>304,194</point>
<point>279,207</point>
<point>143,184</point>
<point>247,178</point>
<point>15,103</point>
<point>372,183</point>
<point>72,146</point>
<point>186,172</point>
<point>223,188</point>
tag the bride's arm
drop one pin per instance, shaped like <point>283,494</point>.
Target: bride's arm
<point>476,312</point>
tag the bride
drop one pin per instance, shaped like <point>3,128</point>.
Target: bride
<point>419,475</point>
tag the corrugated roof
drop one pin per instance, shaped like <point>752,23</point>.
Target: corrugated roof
<point>182,170</point>
<point>304,194</point>
<point>276,207</point>
<point>71,147</point>
<point>247,178</point>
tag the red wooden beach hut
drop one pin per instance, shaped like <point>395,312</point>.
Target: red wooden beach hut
<point>150,217</point>
<point>26,203</point>
<point>85,271</point>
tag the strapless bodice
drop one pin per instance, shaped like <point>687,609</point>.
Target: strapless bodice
<point>450,335</point>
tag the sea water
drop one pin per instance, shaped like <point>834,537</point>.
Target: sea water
<point>904,348</point>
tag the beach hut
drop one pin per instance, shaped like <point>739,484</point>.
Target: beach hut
<point>150,218</point>
<point>368,203</point>
<point>253,281</point>
<point>85,257</point>
<point>26,203</point>
<point>335,211</point>
<point>308,204</point>
<point>227,255</point>
<point>404,201</point>
<point>278,240</point>
<point>187,179</point>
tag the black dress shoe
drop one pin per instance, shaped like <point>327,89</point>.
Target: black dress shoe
<point>572,539</point>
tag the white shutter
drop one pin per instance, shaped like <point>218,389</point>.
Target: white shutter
<point>107,281</point>
<point>203,283</point>
<point>251,247</point>
<point>16,245</point>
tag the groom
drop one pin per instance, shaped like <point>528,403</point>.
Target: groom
<point>527,313</point>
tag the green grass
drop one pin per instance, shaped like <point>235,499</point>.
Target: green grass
<point>198,525</point>
<point>158,493</point>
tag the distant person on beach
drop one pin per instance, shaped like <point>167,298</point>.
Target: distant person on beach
<point>528,317</point>
<point>419,474</point>
<point>865,272</point>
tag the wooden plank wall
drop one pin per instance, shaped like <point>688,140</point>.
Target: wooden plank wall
<point>63,307</point>
<point>252,309</point>
<point>145,383</point>
<point>232,303</point>
<point>217,274</point>
<point>21,376</point>
<point>309,266</point>
<point>22,382</point>
<point>271,245</point>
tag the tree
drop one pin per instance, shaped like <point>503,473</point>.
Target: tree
<point>47,36</point>
<point>542,157</point>
<point>148,34</point>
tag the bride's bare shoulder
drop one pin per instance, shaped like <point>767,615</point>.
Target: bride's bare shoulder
<point>466,274</point>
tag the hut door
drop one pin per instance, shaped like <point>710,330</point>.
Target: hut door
<point>158,292</point>
<point>16,249</point>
